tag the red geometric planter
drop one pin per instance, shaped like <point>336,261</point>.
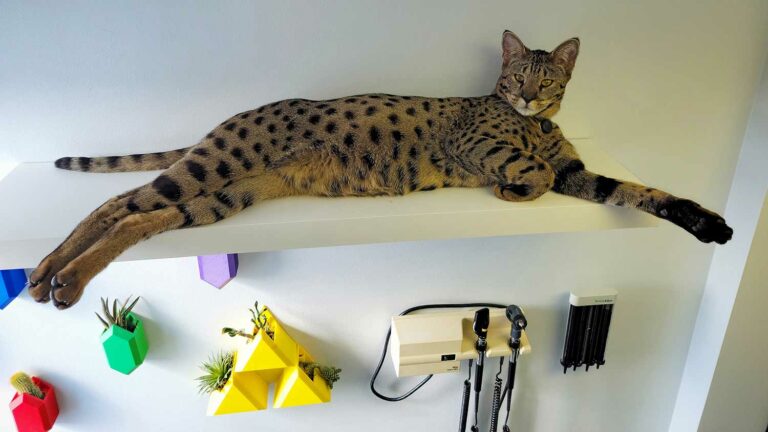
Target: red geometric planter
<point>33,414</point>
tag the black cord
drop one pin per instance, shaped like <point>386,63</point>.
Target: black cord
<point>389,335</point>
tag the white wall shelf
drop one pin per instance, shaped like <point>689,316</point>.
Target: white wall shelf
<point>41,205</point>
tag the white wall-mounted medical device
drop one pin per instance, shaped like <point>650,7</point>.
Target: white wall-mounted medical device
<point>437,342</point>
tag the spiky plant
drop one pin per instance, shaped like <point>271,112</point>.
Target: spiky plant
<point>329,373</point>
<point>217,370</point>
<point>24,384</point>
<point>118,315</point>
<point>258,319</point>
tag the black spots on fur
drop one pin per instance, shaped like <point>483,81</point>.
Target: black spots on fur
<point>230,126</point>
<point>220,143</point>
<point>522,190</point>
<point>242,133</point>
<point>418,132</point>
<point>293,102</point>
<point>158,206</point>
<point>247,200</point>
<point>330,111</point>
<point>493,150</point>
<point>113,161</point>
<point>562,174</point>
<point>167,188</point>
<point>334,188</point>
<point>188,219</point>
<point>223,170</point>
<point>314,119</point>
<point>527,169</point>
<point>132,207</point>
<point>225,199</point>
<point>411,111</point>
<point>330,127</point>
<point>389,104</point>
<point>395,151</point>
<point>426,106</point>
<point>301,111</point>
<point>290,126</point>
<point>322,106</point>
<point>515,131</point>
<point>525,140</point>
<point>200,151</point>
<point>429,188</point>
<point>307,134</point>
<point>374,134</point>
<point>510,160</point>
<point>340,155</point>
<point>397,135</point>
<point>210,135</point>
<point>413,152</point>
<point>349,140</point>
<point>84,163</point>
<point>237,152</point>
<point>371,110</point>
<point>196,170</point>
<point>277,112</point>
<point>368,160</point>
<point>216,214</point>
<point>350,100</point>
<point>430,123</point>
<point>413,174</point>
<point>604,187</point>
<point>257,148</point>
<point>393,118</point>
<point>541,167</point>
<point>63,163</point>
<point>258,120</point>
<point>137,157</point>
<point>271,128</point>
<point>267,161</point>
<point>247,164</point>
<point>546,126</point>
<point>245,115</point>
<point>349,115</point>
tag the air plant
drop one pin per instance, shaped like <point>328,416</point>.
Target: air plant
<point>118,315</point>
<point>259,320</point>
<point>329,373</point>
<point>217,370</point>
<point>24,384</point>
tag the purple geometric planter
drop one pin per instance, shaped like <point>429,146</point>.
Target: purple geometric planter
<point>12,283</point>
<point>217,270</point>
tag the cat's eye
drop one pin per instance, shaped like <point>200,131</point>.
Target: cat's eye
<point>519,78</point>
<point>546,82</point>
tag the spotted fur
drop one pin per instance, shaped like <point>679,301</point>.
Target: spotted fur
<point>371,144</point>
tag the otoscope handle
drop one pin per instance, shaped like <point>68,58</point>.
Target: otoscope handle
<point>479,372</point>
<point>465,406</point>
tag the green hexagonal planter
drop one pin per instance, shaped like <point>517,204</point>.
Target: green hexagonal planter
<point>125,350</point>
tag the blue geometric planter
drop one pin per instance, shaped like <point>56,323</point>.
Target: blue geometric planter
<point>12,283</point>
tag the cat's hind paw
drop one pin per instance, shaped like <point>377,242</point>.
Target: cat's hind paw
<point>66,289</point>
<point>705,225</point>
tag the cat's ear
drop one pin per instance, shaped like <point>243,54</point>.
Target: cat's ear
<point>565,54</point>
<point>512,47</point>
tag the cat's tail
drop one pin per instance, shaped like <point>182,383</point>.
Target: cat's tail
<point>134,162</point>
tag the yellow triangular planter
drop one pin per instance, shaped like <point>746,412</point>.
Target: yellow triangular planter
<point>296,388</point>
<point>265,353</point>
<point>243,392</point>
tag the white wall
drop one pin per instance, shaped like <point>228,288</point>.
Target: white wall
<point>745,200</point>
<point>667,88</point>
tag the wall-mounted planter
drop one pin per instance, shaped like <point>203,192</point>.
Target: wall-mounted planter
<point>246,391</point>
<point>218,270</point>
<point>295,388</point>
<point>12,283</point>
<point>33,414</point>
<point>125,350</point>
<point>267,353</point>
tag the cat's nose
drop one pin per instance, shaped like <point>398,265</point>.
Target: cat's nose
<point>528,99</point>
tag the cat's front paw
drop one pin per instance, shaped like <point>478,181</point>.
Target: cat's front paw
<point>705,225</point>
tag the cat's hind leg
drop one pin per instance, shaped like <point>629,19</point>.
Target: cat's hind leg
<point>69,282</point>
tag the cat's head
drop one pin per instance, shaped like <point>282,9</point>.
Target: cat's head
<point>533,81</point>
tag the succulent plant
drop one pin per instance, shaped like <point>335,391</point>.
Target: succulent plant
<point>217,370</point>
<point>329,373</point>
<point>24,384</point>
<point>118,315</point>
<point>260,322</point>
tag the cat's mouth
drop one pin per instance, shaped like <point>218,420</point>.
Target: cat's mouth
<point>528,109</point>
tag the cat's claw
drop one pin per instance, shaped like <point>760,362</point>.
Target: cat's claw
<point>705,225</point>
<point>64,292</point>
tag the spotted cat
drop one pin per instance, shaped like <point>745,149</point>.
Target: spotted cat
<point>371,144</point>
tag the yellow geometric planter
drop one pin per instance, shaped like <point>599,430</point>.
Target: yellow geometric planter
<point>243,392</point>
<point>269,359</point>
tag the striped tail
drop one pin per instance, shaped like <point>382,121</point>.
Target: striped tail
<point>134,162</point>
